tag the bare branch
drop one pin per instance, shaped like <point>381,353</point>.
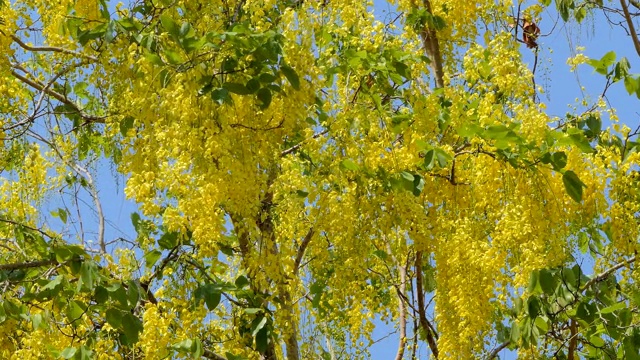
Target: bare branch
<point>301,251</point>
<point>573,342</point>
<point>298,145</point>
<point>26,227</point>
<point>606,273</point>
<point>96,200</point>
<point>632,30</point>
<point>51,49</point>
<point>432,47</point>
<point>63,99</point>
<point>212,356</point>
<point>424,322</point>
<point>28,265</point>
<point>402,309</point>
<point>496,351</point>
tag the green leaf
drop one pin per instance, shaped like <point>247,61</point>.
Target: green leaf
<point>196,349</point>
<point>135,221</point>
<point>542,324</point>
<point>632,84</point>
<point>596,341</point>
<point>133,293</point>
<point>241,282</point>
<point>257,324</point>
<point>442,157</point>
<point>62,214</point>
<point>183,346</point>
<point>75,310</point>
<point>429,158</point>
<point>173,57</point>
<point>621,69</point>
<point>53,283</point>
<point>534,283</point>
<point>291,75</point>
<point>407,176</point>
<point>119,294</point>
<point>262,340</point>
<point>221,96</point>
<point>100,295</point>
<point>185,30</point>
<point>236,88</point>
<point>547,283</point>
<point>168,240</point>
<point>614,307</point>
<point>349,165</point>
<point>252,311</point>
<point>132,327</point>
<point>114,318</point>
<point>602,66</point>
<point>36,320</point>
<point>418,185</point>
<point>169,24</point>
<point>152,257</point>
<point>253,85</point>
<point>68,353</point>
<point>209,294</point>
<point>559,160</point>
<point>264,95</point>
<point>573,185</point>
<point>125,125</point>
<point>594,123</point>
<point>581,142</point>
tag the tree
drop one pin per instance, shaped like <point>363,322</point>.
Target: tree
<point>304,171</point>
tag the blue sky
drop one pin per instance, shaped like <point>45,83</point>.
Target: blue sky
<point>562,88</point>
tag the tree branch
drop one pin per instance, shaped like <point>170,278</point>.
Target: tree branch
<point>63,99</point>
<point>632,30</point>
<point>402,309</point>
<point>28,265</point>
<point>51,49</point>
<point>298,145</point>
<point>432,47</point>
<point>43,233</point>
<point>96,200</point>
<point>211,355</point>
<point>496,351</point>
<point>301,251</point>
<point>606,273</point>
<point>424,322</point>
<point>573,340</point>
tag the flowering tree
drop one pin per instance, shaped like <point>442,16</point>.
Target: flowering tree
<point>304,171</point>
